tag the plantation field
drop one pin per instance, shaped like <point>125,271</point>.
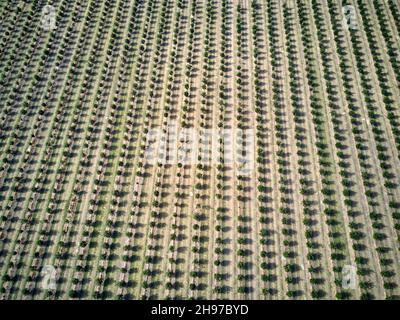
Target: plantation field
<point>200,149</point>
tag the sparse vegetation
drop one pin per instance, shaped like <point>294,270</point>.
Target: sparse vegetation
<point>199,149</point>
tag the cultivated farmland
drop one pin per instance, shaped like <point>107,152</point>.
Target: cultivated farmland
<point>200,149</point>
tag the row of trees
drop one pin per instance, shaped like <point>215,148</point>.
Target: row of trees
<point>284,157</point>
<point>319,115</point>
<point>313,222</point>
<point>158,217</point>
<point>24,164</point>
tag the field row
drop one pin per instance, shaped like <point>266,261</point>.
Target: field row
<point>192,149</point>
